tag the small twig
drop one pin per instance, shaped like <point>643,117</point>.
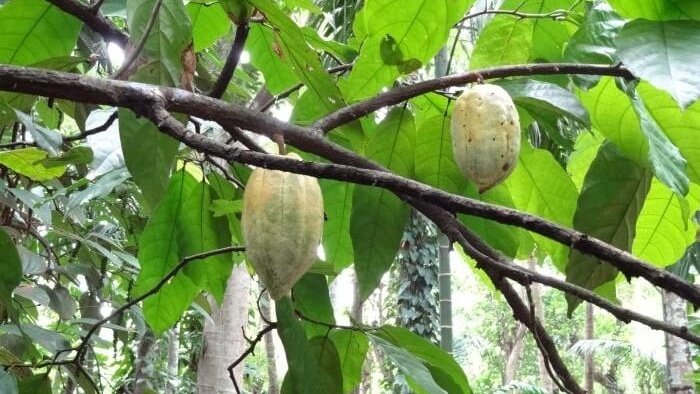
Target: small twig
<point>232,59</point>
<point>94,130</point>
<point>86,338</point>
<point>95,7</point>
<point>251,348</point>
<point>225,172</point>
<point>556,15</point>
<point>136,51</point>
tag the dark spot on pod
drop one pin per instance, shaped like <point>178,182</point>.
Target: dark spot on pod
<point>493,139</point>
<point>502,155</point>
<point>512,123</point>
<point>505,167</point>
<point>502,123</point>
<point>469,140</point>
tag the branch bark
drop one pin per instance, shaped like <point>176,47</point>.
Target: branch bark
<point>94,20</point>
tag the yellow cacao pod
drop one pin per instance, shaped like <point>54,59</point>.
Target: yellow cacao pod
<point>485,135</point>
<point>282,225</point>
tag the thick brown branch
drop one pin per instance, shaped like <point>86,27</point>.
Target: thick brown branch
<point>139,97</point>
<point>94,20</point>
<point>405,92</point>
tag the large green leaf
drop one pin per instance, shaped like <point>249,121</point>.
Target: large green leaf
<point>504,238</point>
<point>312,300</point>
<point>399,37</point>
<point>209,23</point>
<point>36,384</point>
<point>612,197</point>
<point>585,151</point>
<point>594,41</point>
<point>445,370</point>
<point>666,160</point>
<point>435,164</point>
<point>35,30</point>
<point>159,252</point>
<point>8,383</point>
<point>337,203</point>
<point>612,115</point>
<point>170,36</point>
<point>352,348</point>
<point>681,127</point>
<point>30,163</point>
<point>538,185</point>
<point>543,97</point>
<point>199,231</point>
<point>265,54</point>
<point>657,10</point>
<point>512,40</point>
<point>11,273</point>
<point>665,54</point>
<point>664,227</point>
<point>314,366</point>
<point>378,216</point>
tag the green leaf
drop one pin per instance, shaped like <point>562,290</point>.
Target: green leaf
<point>80,155</point>
<point>435,164</point>
<point>681,127</point>
<point>159,253</point>
<point>209,23</point>
<point>326,367</point>
<point>417,31</point>
<point>11,273</point>
<point>35,30</point>
<point>306,372</point>
<point>266,56</point>
<point>311,298</point>
<point>503,41</point>
<point>342,51</point>
<point>657,10</point>
<point>48,339</point>
<point>664,227</point>
<point>504,238</point>
<point>608,207</point>
<point>378,216</point>
<point>444,370</point>
<point>666,160</point>
<point>612,115</point>
<point>36,384</point>
<point>665,54</point>
<point>337,202</point>
<point>594,42</point>
<point>8,383</point>
<point>352,349</point>
<point>543,97</point>
<point>170,36</point>
<point>49,140</point>
<point>29,162</point>
<point>585,151</point>
<point>538,185</point>
<point>199,231</point>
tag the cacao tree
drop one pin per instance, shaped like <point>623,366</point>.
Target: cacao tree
<point>564,131</point>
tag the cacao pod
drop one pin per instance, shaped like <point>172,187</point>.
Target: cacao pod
<point>282,223</point>
<point>485,135</point>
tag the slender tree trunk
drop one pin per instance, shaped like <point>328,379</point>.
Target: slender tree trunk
<point>223,339</point>
<point>589,367</point>
<point>356,316</point>
<point>445,286</point>
<point>140,375</point>
<point>678,362</point>
<point>173,360</point>
<point>514,354</point>
<point>272,379</point>
<point>545,380</point>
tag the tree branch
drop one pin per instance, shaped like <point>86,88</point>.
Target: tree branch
<point>94,20</point>
<point>232,59</point>
<point>135,52</point>
<point>139,97</point>
<point>405,92</point>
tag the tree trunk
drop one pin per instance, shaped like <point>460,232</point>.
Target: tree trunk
<point>678,362</point>
<point>223,339</point>
<point>272,378</point>
<point>140,375</point>
<point>173,359</point>
<point>356,316</point>
<point>514,353</point>
<point>589,367</point>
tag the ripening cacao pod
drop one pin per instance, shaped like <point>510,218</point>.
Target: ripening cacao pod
<point>282,226</point>
<point>485,135</point>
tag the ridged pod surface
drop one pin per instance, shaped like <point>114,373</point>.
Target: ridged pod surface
<point>282,226</point>
<point>485,135</point>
